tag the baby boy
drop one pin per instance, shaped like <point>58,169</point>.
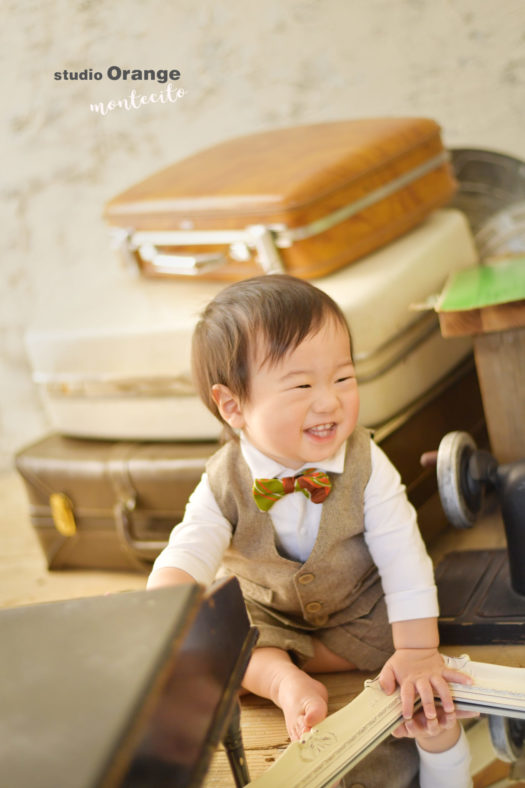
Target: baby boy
<point>305,509</point>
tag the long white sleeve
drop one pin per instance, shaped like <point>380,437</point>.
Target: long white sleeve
<point>449,769</point>
<point>396,545</point>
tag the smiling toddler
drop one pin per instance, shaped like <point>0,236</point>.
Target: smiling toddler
<point>303,507</point>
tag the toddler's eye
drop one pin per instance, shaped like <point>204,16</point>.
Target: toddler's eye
<point>343,380</point>
<point>303,386</point>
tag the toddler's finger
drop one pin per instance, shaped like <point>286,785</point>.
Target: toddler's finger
<point>442,690</point>
<point>464,714</point>
<point>400,732</point>
<point>411,728</point>
<point>426,694</point>
<point>457,676</point>
<point>449,721</point>
<point>408,696</point>
<point>432,726</point>
<point>387,680</point>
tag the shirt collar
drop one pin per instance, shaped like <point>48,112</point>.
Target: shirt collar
<point>263,467</point>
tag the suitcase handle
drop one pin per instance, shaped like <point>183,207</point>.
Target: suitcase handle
<point>259,237</point>
<point>141,552</point>
<point>181,264</point>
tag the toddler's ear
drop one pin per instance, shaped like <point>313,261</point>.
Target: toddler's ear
<point>229,405</point>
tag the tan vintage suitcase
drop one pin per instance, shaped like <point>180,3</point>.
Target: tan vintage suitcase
<point>122,371</point>
<point>107,505</point>
<point>305,199</point>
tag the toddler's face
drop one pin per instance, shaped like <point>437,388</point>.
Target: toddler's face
<point>304,407</point>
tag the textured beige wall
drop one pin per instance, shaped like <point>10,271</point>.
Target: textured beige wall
<point>246,65</point>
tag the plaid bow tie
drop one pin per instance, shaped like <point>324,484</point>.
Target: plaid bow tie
<point>313,483</point>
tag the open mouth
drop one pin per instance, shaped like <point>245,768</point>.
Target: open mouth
<point>322,430</point>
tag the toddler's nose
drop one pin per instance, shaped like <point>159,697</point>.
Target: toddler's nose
<point>325,400</point>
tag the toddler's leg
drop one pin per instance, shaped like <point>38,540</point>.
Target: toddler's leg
<point>303,700</point>
<point>325,661</point>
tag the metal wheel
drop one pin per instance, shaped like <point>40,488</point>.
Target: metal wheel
<point>507,735</point>
<point>460,495</point>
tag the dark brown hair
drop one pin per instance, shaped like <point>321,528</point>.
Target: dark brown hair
<point>277,309</point>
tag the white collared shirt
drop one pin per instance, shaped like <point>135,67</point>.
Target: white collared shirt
<point>198,544</point>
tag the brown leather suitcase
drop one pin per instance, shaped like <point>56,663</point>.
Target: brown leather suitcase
<point>108,505</point>
<point>305,199</point>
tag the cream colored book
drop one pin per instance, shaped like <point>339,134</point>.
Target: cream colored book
<point>338,743</point>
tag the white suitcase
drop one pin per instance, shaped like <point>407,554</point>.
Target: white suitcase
<point>114,363</point>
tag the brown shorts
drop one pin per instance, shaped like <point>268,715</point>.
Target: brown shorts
<point>366,641</point>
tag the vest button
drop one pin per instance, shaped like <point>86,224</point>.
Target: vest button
<point>306,578</point>
<point>313,607</point>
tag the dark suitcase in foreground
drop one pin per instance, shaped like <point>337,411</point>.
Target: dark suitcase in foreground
<point>97,692</point>
<point>305,199</point>
<point>108,505</point>
<point>112,505</point>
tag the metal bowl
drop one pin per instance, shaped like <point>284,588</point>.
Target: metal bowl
<point>491,194</point>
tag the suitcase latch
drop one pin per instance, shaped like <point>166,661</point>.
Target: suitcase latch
<point>62,514</point>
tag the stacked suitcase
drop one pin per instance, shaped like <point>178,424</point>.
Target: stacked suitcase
<point>359,207</point>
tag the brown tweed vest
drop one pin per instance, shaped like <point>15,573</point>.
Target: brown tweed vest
<point>338,582</point>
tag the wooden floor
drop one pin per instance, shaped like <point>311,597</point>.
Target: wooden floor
<point>24,579</point>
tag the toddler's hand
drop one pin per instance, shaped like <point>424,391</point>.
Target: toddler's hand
<point>435,735</point>
<point>423,672</point>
